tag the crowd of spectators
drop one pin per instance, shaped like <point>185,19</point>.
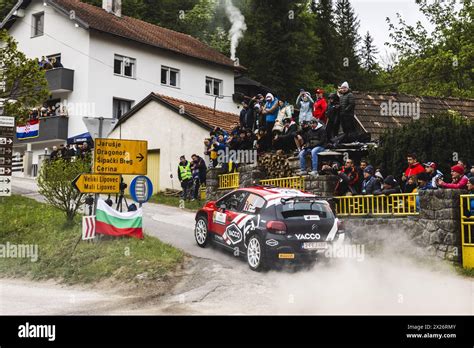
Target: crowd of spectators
<point>270,124</point>
<point>191,175</point>
<point>47,111</point>
<point>70,152</point>
<point>47,63</point>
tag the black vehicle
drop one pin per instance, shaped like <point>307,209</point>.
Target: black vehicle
<point>268,224</point>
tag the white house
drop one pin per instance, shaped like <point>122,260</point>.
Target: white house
<point>111,62</point>
<point>150,119</point>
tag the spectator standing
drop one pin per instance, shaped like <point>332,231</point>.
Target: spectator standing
<point>243,115</point>
<point>459,179</point>
<point>347,109</point>
<point>314,142</point>
<point>469,203</point>
<point>320,106</point>
<point>270,111</point>
<point>305,104</point>
<point>471,172</point>
<point>390,186</point>
<point>284,111</point>
<point>56,63</point>
<point>185,177</point>
<point>332,115</point>
<point>199,174</point>
<point>348,179</point>
<point>370,183</point>
<point>414,168</point>
<point>54,154</point>
<point>433,172</point>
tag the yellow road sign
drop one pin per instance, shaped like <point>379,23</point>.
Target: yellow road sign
<point>97,183</point>
<point>116,156</point>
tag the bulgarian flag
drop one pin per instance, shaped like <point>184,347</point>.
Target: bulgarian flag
<point>114,223</point>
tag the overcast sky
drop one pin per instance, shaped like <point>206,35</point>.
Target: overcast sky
<point>372,14</point>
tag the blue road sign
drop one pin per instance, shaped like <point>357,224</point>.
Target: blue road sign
<point>141,189</point>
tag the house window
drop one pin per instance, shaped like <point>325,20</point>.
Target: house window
<point>124,66</point>
<point>38,24</point>
<point>213,86</point>
<point>121,107</point>
<point>169,76</point>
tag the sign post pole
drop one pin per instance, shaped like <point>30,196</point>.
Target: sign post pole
<point>96,196</point>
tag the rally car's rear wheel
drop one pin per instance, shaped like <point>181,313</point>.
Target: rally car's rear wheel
<point>200,232</point>
<point>256,254</point>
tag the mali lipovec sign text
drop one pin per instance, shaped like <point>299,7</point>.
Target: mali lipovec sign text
<point>97,183</point>
<point>116,156</point>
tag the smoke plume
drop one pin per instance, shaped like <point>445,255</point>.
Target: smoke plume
<point>238,27</point>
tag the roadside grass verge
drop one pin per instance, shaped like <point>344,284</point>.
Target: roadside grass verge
<point>161,198</point>
<point>26,221</point>
<point>467,272</point>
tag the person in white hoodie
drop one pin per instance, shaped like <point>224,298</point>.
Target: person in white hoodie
<point>305,103</point>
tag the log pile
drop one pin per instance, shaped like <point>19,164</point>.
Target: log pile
<point>172,193</point>
<point>275,165</point>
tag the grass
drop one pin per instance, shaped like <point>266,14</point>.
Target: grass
<point>25,221</point>
<point>160,198</point>
<point>467,272</point>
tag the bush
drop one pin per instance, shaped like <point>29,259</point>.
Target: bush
<point>55,184</point>
<point>442,138</point>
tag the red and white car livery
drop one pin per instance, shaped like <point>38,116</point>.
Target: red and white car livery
<point>267,224</point>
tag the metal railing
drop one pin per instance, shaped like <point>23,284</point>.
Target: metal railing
<point>467,230</point>
<point>402,204</point>
<point>293,182</point>
<point>228,181</point>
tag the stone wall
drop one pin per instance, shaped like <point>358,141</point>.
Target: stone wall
<point>436,231</point>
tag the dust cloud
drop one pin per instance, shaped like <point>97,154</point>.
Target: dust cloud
<point>393,277</point>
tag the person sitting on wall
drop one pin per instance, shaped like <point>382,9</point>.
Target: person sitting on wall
<point>285,141</point>
<point>314,142</point>
<point>459,181</point>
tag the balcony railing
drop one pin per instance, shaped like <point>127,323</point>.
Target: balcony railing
<point>60,80</point>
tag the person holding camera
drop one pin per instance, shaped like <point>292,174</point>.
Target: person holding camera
<point>433,172</point>
<point>305,103</point>
<point>459,179</point>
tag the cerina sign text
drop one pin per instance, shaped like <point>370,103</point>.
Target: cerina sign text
<point>116,156</point>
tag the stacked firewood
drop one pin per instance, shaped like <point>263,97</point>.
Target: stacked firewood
<point>276,165</point>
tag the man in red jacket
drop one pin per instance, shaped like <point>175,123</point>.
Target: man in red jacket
<point>320,106</point>
<point>414,168</point>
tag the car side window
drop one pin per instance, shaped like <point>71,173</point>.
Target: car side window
<point>253,204</point>
<point>234,200</point>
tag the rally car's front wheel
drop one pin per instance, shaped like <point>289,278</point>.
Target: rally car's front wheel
<point>200,232</point>
<point>256,254</point>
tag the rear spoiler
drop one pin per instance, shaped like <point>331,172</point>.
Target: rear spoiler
<point>306,199</point>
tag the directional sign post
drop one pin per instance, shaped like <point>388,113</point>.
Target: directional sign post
<point>97,183</point>
<point>7,125</point>
<point>116,156</point>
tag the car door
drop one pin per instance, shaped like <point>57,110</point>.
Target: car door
<point>225,220</point>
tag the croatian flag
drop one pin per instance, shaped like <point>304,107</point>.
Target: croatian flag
<point>29,130</point>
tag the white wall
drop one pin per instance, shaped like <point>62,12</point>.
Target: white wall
<point>105,85</point>
<point>91,56</point>
<point>60,36</point>
<point>151,123</point>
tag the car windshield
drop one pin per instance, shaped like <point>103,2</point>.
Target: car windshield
<point>310,210</point>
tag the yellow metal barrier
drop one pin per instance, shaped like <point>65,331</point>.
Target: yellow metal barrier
<point>294,182</point>
<point>202,193</point>
<point>228,181</point>
<point>402,204</point>
<point>467,231</point>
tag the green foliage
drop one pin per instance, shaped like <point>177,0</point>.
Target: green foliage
<point>25,221</point>
<point>443,139</point>
<point>55,184</point>
<point>441,63</point>
<point>25,84</point>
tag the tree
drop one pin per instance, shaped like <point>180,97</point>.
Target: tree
<point>443,139</point>
<point>440,63</point>
<point>368,53</point>
<point>55,186</point>
<point>279,47</point>
<point>324,28</point>
<point>24,82</point>
<point>348,39</point>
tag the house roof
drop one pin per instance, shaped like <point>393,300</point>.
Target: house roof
<point>370,109</point>
<point>197,113</point>
<point>96,18</point>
